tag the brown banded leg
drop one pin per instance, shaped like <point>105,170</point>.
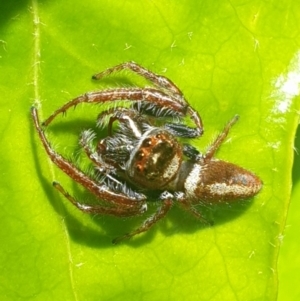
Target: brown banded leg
<point>77,175</point>
<point>96,209</point>
<point>188,206</point>
<point>157,97</point>
<point>149,222</point>
<point>221,137</point>
<point>95,156</point>
<point>121,114</point>
<point>157,80</point>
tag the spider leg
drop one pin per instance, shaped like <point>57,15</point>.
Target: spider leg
<point>188,206</point>
<point>181,130</point>
<point>164,100</point>
<point>191,152</point>
<point>220,139</point>
<point>119,211</point>
<point>106,169</point>
<point>86,143</point>
<point>100,191</point>
<point>154,96</point>
<point>133,118</point>
<point>125,115</point>
<point>177,129</point>
<point>167,202</point>
<point>157,80</point>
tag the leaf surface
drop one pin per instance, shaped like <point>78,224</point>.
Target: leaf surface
<point>229,58</point>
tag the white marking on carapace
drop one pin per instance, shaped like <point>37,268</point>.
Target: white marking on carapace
<point>192,181</point>
<point>134,129</point>
<point>154,158</point>
<point>172,168</point>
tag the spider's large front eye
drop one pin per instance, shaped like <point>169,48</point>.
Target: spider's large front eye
<point>156,161</point>
<point>140,155</point>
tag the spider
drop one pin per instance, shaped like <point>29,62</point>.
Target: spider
<point>141,157</point>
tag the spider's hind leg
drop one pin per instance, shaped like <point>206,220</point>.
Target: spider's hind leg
<point>111,197</point>
<point>167,202</point>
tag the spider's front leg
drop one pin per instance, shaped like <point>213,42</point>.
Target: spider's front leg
<point>108,162</point>
<point>156,79</point>
<point>128,116</point>
<point>182,130</point>
<point>148,95</point>
<point>111,197</point>
<point>166,100</point>
<point>119,211</point>
<point>86,141</point>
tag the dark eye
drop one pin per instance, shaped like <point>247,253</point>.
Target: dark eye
<point>140,155</point>
<point>138,168</point>
<point>147,142</point>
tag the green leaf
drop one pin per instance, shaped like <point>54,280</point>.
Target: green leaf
<point>229,58</point>
<point>289,260</point>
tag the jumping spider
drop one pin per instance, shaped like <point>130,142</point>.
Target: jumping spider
<point>141,157</point>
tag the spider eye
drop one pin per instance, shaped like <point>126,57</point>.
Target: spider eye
<point>138,168</point>
<point>147,142</point>
<point>140,155</point>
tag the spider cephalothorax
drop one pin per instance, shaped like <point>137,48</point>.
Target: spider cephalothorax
<point>142,155</point>
<point>149,157</point>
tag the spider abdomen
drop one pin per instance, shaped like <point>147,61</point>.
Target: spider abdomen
<point>217,180</point>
